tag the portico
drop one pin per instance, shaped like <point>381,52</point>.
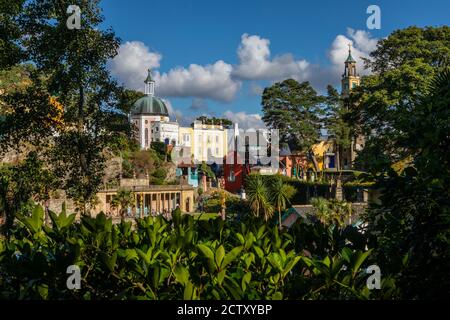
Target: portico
<point>152,198</point>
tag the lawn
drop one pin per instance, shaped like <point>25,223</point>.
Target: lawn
<point>204,216</point>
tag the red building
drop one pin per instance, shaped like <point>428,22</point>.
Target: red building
<point>234,173</point>
<point>293,165</point>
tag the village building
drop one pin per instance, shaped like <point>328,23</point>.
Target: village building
<point>234,153</point>
<point>149,199</point>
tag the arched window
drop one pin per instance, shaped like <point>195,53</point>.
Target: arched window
<point>232,177</point>
<point>146,137</point>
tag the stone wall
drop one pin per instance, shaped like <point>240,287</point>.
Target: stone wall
<point>130,183</point>
<point>55,204</point>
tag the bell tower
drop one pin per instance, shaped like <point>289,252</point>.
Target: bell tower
<point>349,78</point>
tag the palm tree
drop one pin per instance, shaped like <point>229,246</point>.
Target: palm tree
<point>281,194</point>
<point>123,198</point>
<point>258,197</point>
<point>332,212</point>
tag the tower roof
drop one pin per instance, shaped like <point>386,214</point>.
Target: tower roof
<point>350,58</point>
<point>149,77</point>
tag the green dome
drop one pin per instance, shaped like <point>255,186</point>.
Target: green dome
<point>150,105</point>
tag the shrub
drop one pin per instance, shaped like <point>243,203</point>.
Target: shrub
<point>181,259</point>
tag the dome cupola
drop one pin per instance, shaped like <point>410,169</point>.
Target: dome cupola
<point>149,104</point>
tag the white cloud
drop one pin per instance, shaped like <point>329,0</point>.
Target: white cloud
<point>362,45</point>
<point>255,62</point>
<point>131,64</point>
<point>244,119</point>
<point>173,113</point>
<point>211,81</point>
<point>221,81</point>
<point>363,40</point>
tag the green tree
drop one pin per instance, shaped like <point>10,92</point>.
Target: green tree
<point>144,162</point>
<point>281,193</point>
<point>403,109</point>
<point>127,98</point>
<point>123,199</point>
<point>295,109</point>
<point>337,123</point>
<point>159,176</point>
<point>11,52</point>
<point>206,170</point>
<point>258,197</point>
<point>332,212</point>
<point>161,150</point>
<point>30,117</point>
<point>402,64</point>
<point>28,180</point>
<point>74,62</point>
<point>410,228</point>
<point>227,123</point>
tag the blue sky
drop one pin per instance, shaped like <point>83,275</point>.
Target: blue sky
<point>214,57</point>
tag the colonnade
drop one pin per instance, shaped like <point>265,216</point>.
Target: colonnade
<point>157,202</point>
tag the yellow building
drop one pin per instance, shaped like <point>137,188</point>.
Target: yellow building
<point>324,153</point>
<point>150,198</point>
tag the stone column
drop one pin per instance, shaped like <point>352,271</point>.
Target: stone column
<point>142,206</point>
<point>158,202</point>
<point>366,195</point>
<point>182,204</point>
<point>150,204</point>
<point>170,202</point>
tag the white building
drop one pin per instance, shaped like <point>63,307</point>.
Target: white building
<point>147,110</point>
<point>206,142</point>
<point>166,132</point>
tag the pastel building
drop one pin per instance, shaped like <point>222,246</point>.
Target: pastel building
<point>146,111</point>
<point>166,132</point>
<point>208,142</point>
<point>203,142</point>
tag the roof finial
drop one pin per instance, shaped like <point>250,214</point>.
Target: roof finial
<point>350,58</point>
